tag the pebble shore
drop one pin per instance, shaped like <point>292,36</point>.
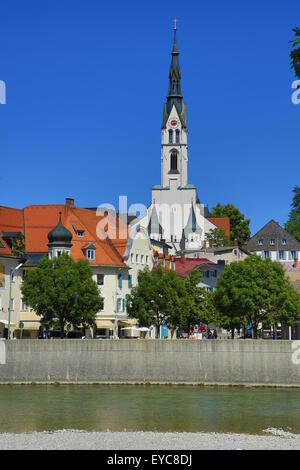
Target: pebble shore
<point>81,440</point>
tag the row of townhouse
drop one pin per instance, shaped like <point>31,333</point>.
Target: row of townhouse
<point>49,230</point>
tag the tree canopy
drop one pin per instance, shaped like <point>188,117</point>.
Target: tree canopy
<point>255,291</point>
<point>218,237</point>
<point>295,53</point>
<point>165,297</point>
<point>293,223</point>
<point>62,290</point>
<point>239,226</point>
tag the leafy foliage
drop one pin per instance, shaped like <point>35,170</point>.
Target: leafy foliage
<point>255,291</point>
<point>218,237</point>
<point>62,289</point>
<point>18,245</point>
<point>156,298</point>
<point>239,226</point>
<point>295,53</point>
<point>293,223</point>
<point>166,297</point>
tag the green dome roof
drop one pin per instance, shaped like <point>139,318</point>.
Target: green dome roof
<point>60,235</point>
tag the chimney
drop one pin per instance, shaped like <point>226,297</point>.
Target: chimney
<point>246,247</point>
<point>70,201</point>
<point>182,257</point>
<point>295,265</point>
<point>204,245</point>
<point>210,243</point>
<point>236,242</point>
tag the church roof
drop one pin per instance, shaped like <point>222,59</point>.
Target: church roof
<point>154,226</point>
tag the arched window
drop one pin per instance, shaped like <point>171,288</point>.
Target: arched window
<point>174,161</point>
<point>170,136</point>
<point>177,136</point>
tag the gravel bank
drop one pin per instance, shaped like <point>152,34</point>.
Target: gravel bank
<point>71,439</point>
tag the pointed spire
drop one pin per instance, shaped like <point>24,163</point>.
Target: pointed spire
<point>174,93</point>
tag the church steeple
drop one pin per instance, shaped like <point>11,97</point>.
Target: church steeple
<point>174,94</point>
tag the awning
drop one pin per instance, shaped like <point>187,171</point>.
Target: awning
<point>105,324</point>
<point>29,325</point>
<point>5,322</point>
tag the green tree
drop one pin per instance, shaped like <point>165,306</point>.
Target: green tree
<point>196,302</point>
<point>293,224</point>
<point>62,290</point>
<point>156,298</point>
<point>239,226</point>
<point>18,245</point>
<point>295,53</point>
<point>218,237</point>
<point>255,291</point>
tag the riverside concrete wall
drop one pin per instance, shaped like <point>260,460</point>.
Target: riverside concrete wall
<point>178,361</point>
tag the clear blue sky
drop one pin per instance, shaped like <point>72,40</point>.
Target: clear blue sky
<point>86,81</point>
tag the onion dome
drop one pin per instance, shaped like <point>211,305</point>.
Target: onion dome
<point>60,235</point>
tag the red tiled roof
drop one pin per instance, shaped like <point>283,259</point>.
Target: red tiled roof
<point>184,267</point>
<point>221,222</point>
<point>40,219</point>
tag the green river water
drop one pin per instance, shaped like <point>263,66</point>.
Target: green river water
<point>148,408</point>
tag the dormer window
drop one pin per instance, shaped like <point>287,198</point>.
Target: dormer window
<point>284,241</point>
<point>80,233</point>
<point>91,254</point>
<point>261,241</point>
<point>272,241</point>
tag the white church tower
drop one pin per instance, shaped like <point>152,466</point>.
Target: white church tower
<point>176,214</point>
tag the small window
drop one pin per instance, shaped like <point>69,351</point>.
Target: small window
<point>132,258</point>
<point>266,254</point>
<point>147,260</point>
<point>282,255</point>
<point>177,136</point>
<point>100,279</point>
<point>58,253</point>
<point>284,241</point>
<point>261,241</point>
<point>12,304</point>
<point>23,306</point>
<point>120,280</point>
<point>119,305</point>
<point>293,254</point>
<point>91,254</point>
<point>174,161</point>
<point>272,242</point>
<point>80,233</point>
<point>170,136</point>
<point>129,281</point>
<point>142,259</point>
<point>137,259</point>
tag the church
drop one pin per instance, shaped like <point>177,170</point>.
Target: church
<point>176,215</point>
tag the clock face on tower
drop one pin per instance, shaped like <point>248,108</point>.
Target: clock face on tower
<point>174,123</point>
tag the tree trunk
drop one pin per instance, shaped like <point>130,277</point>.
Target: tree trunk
<point>157,325</point>
<point>232,332</point>
<point>62,328</point>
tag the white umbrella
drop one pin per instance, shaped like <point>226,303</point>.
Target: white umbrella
<point>144,328</point>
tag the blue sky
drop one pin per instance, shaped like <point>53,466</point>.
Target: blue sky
<point>86,82</point>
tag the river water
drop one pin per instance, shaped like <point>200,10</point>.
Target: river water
<point>25,408</point>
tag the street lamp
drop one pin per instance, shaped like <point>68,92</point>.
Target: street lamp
<point>12,272</point>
